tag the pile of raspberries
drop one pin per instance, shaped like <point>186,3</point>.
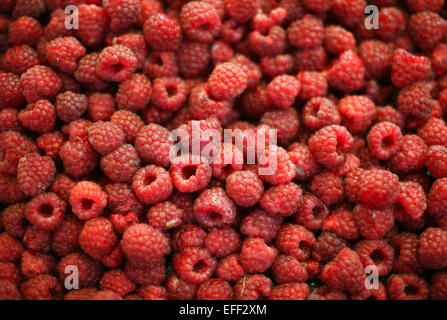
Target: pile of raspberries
<point>93,207</point>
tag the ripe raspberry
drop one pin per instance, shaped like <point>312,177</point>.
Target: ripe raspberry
<point>253,287</point>
<point>307,32</point>
<point>121,164</point>
<point>255,102</point>
<point>436,159</point>
<point>411,201</point>
<point>134,93</point>
<point>311,59</point>
<point>161,64</point>
<point>101,106</point>
<point>153,143</point>
<point>227,81</point>
<point>407,286</point>
<point>89,269</point>
<point>357,112</point>
<point>270,44</point>
<point>376,253</point>
<point>415,102</point>
<point>9,189</point>
<point>388,113</point>
<point>123,14</point>
<point>438,59</point>
<point>250,68</point>
<point>56,26</point>
<point>431,250</point>
<point>40,82</point>
<point>223,242</point>
<point>411,156</point>
<point>152,275</point>
<point>342,224</point>
<point>65,237</point>
<point>426,29</point>
<point>277,65</point>
<point>42,287</point>
<point>169,93</point>
<point>97,237</point>
<point>162,32</point>
<point>408,68</point>
<point>345,272</point>
<point>245,188</point>
<point>275,166</point>
<point>384,140</point>
<point>24,30</point>
<point>151,292</point>
<point>79,157</point>
<point>190,173</point>
<point>337,39</point>
<point>70,106</point>
<point>406,245</point>
<point>290,291</point>
<point>86,71</point>
<point>116,63</point>
<point>164,215</point>
<point>137,43</point>
<point>200,21</point>
<point>10,121</point>
<point>295,240</point>
<point>148,9</point>
<point>93,23</point>
<point>215,289</point>
<point>106,295</point>
<point>9,272</point>
<point>258,224</point>
<point>373,224</point>
<point>319,112</point>
<point>10,249</point>
<point>35,173</point>
<point>63,52</point>
<point>105,137</point>
<point>195,265</point>
<point>228,159</point>
<point>129,122</point>
<point>377,58</point>
<point>283,90</point>
<point>117,281</point>
<point>45,211</point>
<point>286,122</point>
<point>286,269</point>
<point>241,11</point>
<point>312,213</point>
<point>221,51</point>
<point>325,293</point>
<point>39,116</point>
<point>187,235</point>
<point>213,208</point>
<point>347,73</point>
<point>392,21</point>
<point>12,220</point>
<point>327,246</point>
<point>36,239</point>
<point>348,13</point>
<point>229,268</point>
<point>121,199</point>
<point>433,132</point>
<point>438,286</point>
<point>380,188</point>
<point>180,289</point>
<point>283,200</point>
<point>304,161</point>
<point>193,58</point>
<point>152,184</point>
<point>20,58</point>
<point>87,200</point>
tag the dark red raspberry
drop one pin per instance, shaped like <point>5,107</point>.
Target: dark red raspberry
<point>65,237</point>
<point>215,289</point>
<point>70,106</point>
<point>93,23</point>
<point>392,21</point>
<point>373,223</point>
<point>221,51</point>
<point>407,286</point>
<point>426,29</point>
<point>10,249</point>
<point>87,200</point>
<point>152,275</point>
<point>42,287</point>
<point>39,116</point>
<point>195,265</point>
<point>10,121</point>
<point>415,102</point>
<point>20,58</point>
<point>295,240</point>
<point>86,71</point>
<point>164,215</point>
<point>24,30</point>
<point>436,159</point>
<point>347,12</point>
<point>89,269</point>
<point>438,286</point>
<point>258,224</point>
<point>255,102</point>
<point>325,293</point>
<point>121,164</point>
<point>431,250</point>
<point>290,291</point>
<point>380,188</point>
<point>357,112</point>
<point>438,59</point>
<point>9,188</point>
<point>36,239</point>
<point>62,186</point>
<point>169,93</point>
<point>241,10</point>
<point>105,137</point>
<point>9,272</point>
<point>121,199</point>
<point>116,63</point>
<point>377,58</point>
<point>180,289</point>
<point>79,157</point>
<point>101,106</point>
<point>213,208</point>
<point>327,246</point>
<point>337,39</point>
<point>328,187</point>
<point>406,245</point>
<point>129,122</point>
<point>117,281</point>
<point>306,32</point>
<point>151,292</point>
<point>200,21</point>
<point>152,184</point>
<point>270,44</point>
<point>408,68</point>
<point>342,224</point>
<point>347,73</point>
<point>253,287</point>
<point>134,93</point>
<point>148,9</point>
<point>283,200</point>
<point>97,237</point>
<point>287,269</point>
<point>187,235</point>
<point>12,220</point>
<point>223,242</point>
<point>376,253</point>
<point>56,26</point>
<point>40,82</point>
<point>63,53</point>
<point>411,156</point>
<point>35,173</point>
<point>312,59</point>
<point>123,14</point>
<point>277,65</point>
<point>153,143</point>
<point>245,188</point>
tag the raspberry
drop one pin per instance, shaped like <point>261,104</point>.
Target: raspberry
<point>12,220</point>
<point>223,242</point>
<point>227,81</point>
<point>438,286</point>
<point>408,68</point>
<point>164,215</point>
<point>327,246</point>
<point>137,43</point>
<point>436,161</point>
<point>153,143</point>
<point>20,58</point>
<point>290,291</point>
<point>116,63</point>
<point>325,293</point>
<point>426,29</point>
<point>180,289</point>
<point>423,5</point>
<point>415,101</point>
<point>129,122</point>
<point>347,73</point>
<point>377,58</point>
<point>283,90</point>
<point>152,184</point>
<point>304,161</point>
<point>151,292</point>
<point>154,274</point>
<point>376,253</point>
<point>134,93</point>
<point>195,265</point>
<point>87,200</point>
<point>80,294</point>
<point>253,287</point>
<point>277,65</point>
<point>406,245</point>
<point>79,157</point>
<point>311,213</point>
<point>438,59</point>
<point>36,239</point>
<point>106,295</point>
<point>295,240</point>
<point>229,268</point>
<point>411,201</point>
<point>329,145</point>
<point>388,113</point>
<point>10,121</point>
<point>407,286</point>
<point>411,156</point>
<point>89,269</point>
<point>342,224</point>
<point>97,237</point>
<point>241,11</point>
<point>121,164</point>
<point>287,269</point>
<point>337,39</point>
<point>9,272</point>
<point>169,93</point>
<point>286,122</point>
<point>380,188</point>
<point>255,101</point>
<point>213,208</point>
<point>245,188</point>
<point>93,23</point>
<point>39,116</point>
<point>144,245</point>
<point>319,112</point>
<point>328,187</point>
<point>311,59</point>
<point>35,173</point>
<point>105,137</point>
<point>283,200</point>
<point>271,44</point>
<point>200,21</point>
<point>148,9</point>
<point>45,211</point>
<point>357,112</point>
<point>56,26</point>
<point>117,281</point>
<point>101,106</point>
<point>14,146</point>
<point>250,68</point>
<point>187,235</point>
<point>121,199</point>
<point>39,82</point>
<point>275,166</point>
<point>228,159</point>
<point>63,52</point>
<point>392,21</point>
<point>123,14</point>
<point>384,140</point>
<point>221,52</point>
<point>306,32</point>
<point>215,289</point>
<point>433,132</point>
<point>86,71</point>
<point>65,237</point>
<point>10,249</point>
<point>373,223</point>
<point>190,173</point>
<point>258,224</point>
<point>24,30</point>
<point>10,191</point>
<point>42,287</point>
<point>431,250</point>
<point>161,64</point>
<point>70,106</point>
<point>162,33</point>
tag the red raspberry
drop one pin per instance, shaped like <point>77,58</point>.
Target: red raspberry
<point>290,291</point>
<point>152,275</point>
<point>245,188</point>
<point>161,64</point>
<point>195,265</point>
<point>117,281</point>
<point>10,249</point>
<point>348,13</point>
<point>258,224</point>
<point>357,112</point>
<point>438,286</point>
<point>253,287</point>
<point>392,22</point>
<point>164,215</point>
<point>223,242</point>
<point>250,68</point>
<point>227,81</point>
<point>384,140</point>
<point>438,59</point>
<point>121,164</point>
<point>45,211</point>
<point>187,235</point>
<point>327,246</point>
<point>221,52</point>
<point>137,43</point>
<point>345,272</point>
<point>185,202</point>
<point>144,245</point>
<point>325,293</point>
<point>39,116</point>
<point>106,295</point>
<point>406,245</point>
<point>134,93</point>
<point>433,132</point>
<point>275,166</point>
<point>42,287</point>
<point>86,71</point>
<point>40,82</point>
<point>347,73</point>
<point>407,286</point>
<point>33,8</point>
<point>70,106</point>
<point>9,189</point>
<point>12,220</point>
<point>152,184</point>
<point>36,239</point>
<point>241,11</point>
<point>123,14</point>
<point>89,269</point>
<point>215,289</point>
<point>9,272</point>
<point>319,112</point>
<point>283,90</point>
<point>342,224</point>
<point>424,5</point>
<point>416,103</point>
<point>169,93</point>
<point>408,68</point>
<point>116,63</point>
<point>311,59</point>
<point>105,137</point>
<point>65,237</point>
<point>373,223</point>
<point>63,52</point>
<point>213,208</point>
<point>193,57</point>
<point>255,102</point>
<point>79,157</point>
<point>162,33</point>
<point>286,269</point>
<point>93,23</point>
<point>228,159</point>
<point>87,200</point>
<point>123,221</point>
<point>330,144</point>
<point>10,121</point>
<point>377,58</point>
<point>380,188</point>
<point>270,44</point>
<point>411,156</point>
<point>148,9</point>
<point>305,163</point>
<point>151,292</point>
<point>153,143</point>
<point>101,106</point>
<point>295,240</point>
<point>306,32</point>
<point>121,199</point>
<point>436,159</point>
<point>200,21</point>
<point>129,122</point>
<point>179,289</point>
<point>426,29</point>
<point>376,253</point>
<point>431,250</point>
<point>63,186</point>
<point>286,122</point>
<point>35,173</point>
<point>24,30</point>
<point>155,115</point>
<point>337,39</point>
<point>283,200</point>
<point>277,65</point>
<point>20,58</point>
<point>203,106</point>
<point>311,213</point>
<point>56,26</point>
<point>205,131</point>
<point>190,173</point>
<point>229,268</point>
<point>97,237</point>
<point>411,201</point>
<point>388,113</point>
